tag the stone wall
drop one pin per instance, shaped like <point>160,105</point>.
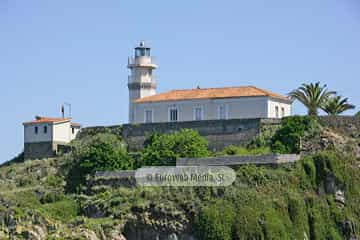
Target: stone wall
<point>40,150</point>
<point>91,131</point>
<point>219,133</point>
<point>103,180</point>
<point>274,159</point>
<point>346,125</point>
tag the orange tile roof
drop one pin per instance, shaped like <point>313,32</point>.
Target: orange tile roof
<point>211,93</point>
<point>47,120</point>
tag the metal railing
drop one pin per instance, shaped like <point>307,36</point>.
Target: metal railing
<point>145,60</point>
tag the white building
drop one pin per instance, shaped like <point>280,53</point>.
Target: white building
<point>44,135</point>
<point>145,106</point>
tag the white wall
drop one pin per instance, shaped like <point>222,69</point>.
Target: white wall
<point>273,103</point>
<point>31,136</point>
<point>62,132</point>
<point>245,107</point>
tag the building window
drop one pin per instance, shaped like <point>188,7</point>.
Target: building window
<point>148,118</point>
<point>36,129</point>
<point>277,112</point>
<point>45,129</point>
<point>282,112</point>
<point>173,114</point>
<point>222,113</point>
<point>198,114</point>
<point>73,130</point>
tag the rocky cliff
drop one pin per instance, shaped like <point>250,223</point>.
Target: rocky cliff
<point>315,198</point>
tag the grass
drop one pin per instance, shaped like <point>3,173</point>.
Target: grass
<point>240,150</point>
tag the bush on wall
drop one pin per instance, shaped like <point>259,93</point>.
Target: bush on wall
<point>165,148</point>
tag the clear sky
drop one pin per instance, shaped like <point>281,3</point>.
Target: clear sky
<point>76,51</point>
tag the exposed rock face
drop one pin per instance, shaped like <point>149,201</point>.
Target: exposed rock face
<point>330,140</point>
<point>141,231</point>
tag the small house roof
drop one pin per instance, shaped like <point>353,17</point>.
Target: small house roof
<point>39,119</point>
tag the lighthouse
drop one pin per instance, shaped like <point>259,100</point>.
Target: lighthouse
<point>141,82</point>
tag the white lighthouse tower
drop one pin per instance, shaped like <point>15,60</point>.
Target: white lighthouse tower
<point>141,82</point>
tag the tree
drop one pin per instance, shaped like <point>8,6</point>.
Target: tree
<point>287,139</point>
<point>164,149</point>
<point>313,96</point>
<point>96,153</point>
<point>336,105</point>
<point>357,114</point>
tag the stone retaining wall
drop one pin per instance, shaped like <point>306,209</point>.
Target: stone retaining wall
<point>219,133</point>
<point>111,179</point>
<point>239,160</point>
<point>347,125</point>
<point>40,150</point>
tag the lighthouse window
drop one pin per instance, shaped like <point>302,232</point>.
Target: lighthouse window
<point>173,114</point>
<point>148,116</point>
<point>222,112</point>
<point>198,113</point>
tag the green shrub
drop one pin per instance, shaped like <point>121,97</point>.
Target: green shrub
<point>215,222</point>
<point>287,139</point>
<point>274,227</point>
<point>97,153</point>
<point>321,224</point>
<point>164,149</point>
<point>309,169</point>
<point>64,210</point>
<point>329,168</point>
<point>52,197</point>
<point>298,216</point>
<point>247,224</point>
<point>54,181</point>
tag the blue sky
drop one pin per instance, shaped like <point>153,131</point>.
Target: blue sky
<point>76,51</point>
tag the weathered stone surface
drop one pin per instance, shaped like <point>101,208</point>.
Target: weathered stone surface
<point>346,125</point>
<point>39,150</point>
<point>219,133</point>
<point>239,160</point>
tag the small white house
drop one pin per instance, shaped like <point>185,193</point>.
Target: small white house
<point>44,135</point>
<point>145,106</point>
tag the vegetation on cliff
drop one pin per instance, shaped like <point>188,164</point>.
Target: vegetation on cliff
<point>315,198</point>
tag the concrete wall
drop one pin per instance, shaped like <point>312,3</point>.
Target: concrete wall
<point>31,136</point>
<point>239,160</point>
<point>42,145</point>
<point>219,133</point>
<point>62,132</point>
<point>58,132</point>
<point>245,107</point>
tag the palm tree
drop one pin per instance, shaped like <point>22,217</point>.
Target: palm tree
<point>336,105</point>
<point>312,95</point>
